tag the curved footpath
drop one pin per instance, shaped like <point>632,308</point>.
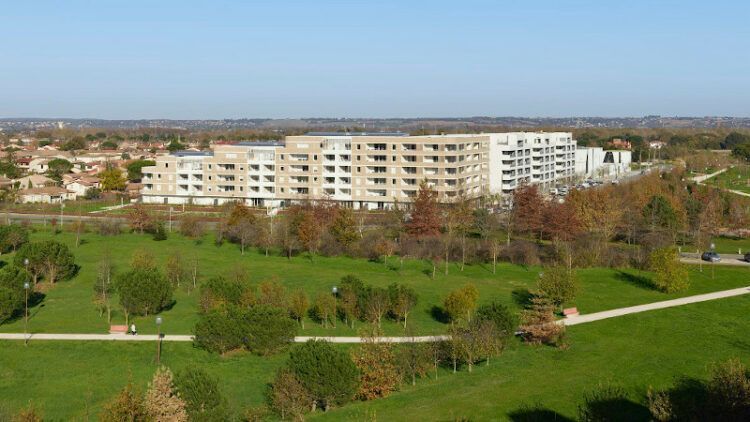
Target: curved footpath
<point>575,320</point>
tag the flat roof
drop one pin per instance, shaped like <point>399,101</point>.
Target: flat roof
<point>193,153</point>
<point>260,143</point>
<point>356,134</point>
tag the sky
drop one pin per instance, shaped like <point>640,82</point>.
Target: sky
<point>379,58</point>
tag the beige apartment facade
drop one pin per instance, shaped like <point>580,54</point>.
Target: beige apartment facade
<point>359,170</point>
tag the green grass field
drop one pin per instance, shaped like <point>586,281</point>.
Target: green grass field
<point>735,178</point>
<point>71,380</point>
<point>68,307</point>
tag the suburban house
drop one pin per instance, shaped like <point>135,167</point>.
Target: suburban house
<point>47,195</point>
<point>34,181</point>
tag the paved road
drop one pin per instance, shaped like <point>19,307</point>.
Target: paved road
<point>737,262</point>
<point>582,319</point>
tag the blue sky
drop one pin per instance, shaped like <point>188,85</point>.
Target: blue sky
<point>232,59</point>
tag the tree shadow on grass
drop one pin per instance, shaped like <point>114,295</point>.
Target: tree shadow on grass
<point>536,413</point>
<point>636,280</point>
<point>438,314</point>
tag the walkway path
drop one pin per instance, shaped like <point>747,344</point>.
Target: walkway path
<point>581,319</point>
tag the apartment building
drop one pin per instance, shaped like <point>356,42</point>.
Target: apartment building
<point>360,170</point>
<point>540,158</point>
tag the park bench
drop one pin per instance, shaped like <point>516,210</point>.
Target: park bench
<point>570,312</point>
<point>118,329</point>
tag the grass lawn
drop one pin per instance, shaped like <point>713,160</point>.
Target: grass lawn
<point>635,352</point>
<point>68,307</point>
<point>70,380</point>
<point>735,178</point>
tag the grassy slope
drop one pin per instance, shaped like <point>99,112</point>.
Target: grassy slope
<point>734,178</point>
<point>67,378</point>
<point>633,351</point>
<point>68,306</point>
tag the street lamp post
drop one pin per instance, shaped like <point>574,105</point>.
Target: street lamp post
<point>158,340</point>
<point>62,205</point>
<point>334,290</point>
<point>26,287</point>
<point>713,250</point>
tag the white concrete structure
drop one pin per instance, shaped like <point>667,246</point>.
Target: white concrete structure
<point>540,158</point>
<point>595,162</point>
<point>361,170</point>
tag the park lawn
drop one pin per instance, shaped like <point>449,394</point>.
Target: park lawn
<point>634,351</point>
<point>70,380</point>
<point>735,178</point>
<point>68,307</point>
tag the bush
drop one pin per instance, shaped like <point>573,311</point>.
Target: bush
<point>201,393</point>
<point>522,252</point>
<point>144,291</point>
<point>729,391</point>
<point>12,293</point>
<point>500,315</point>
<point>109,227</point>
<point>12,237</point>
<point>605,403</point>
<point>328,373</point>
<point>191,226</point>
<point>219,332</point>
<point>288,397</point>
<point>218,292</point>
<point>159,232</point>
<point>268,329</point>
<point>92,193</point>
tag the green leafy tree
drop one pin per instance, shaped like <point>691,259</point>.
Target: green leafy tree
<point>460,303</point>
<point>219,331</point>
<point>501,317</point>
<point>344,228</point>
<point>268,329</point>
<point>111,179</point>
<point>12,293</point>
<point>559,284</point>
<point>402,300</point>
<point>12,236</point>
<point>143,291</point>
<point>49,258</point>
<point>328,373</point>
<point>659,214</point>
<point>134,169</point>
<point>298,306</point>
<point>670,275</point>
<point>203,398</point>
<point>58,167</point>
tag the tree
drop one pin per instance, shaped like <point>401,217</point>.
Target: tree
<point>659,214</point>
<point>298,306</point>
<point>12,236</point>
<point>175,269</point>
<point>501,316</point>
<point>729,391</point>
<point>50,258</point>
<point>670,275</point>
<point>92,193</point>
<point>603,403</point>
<point>348,304</point>
<point>734,139</point>
<point>127,406</point>
<point>376,303</point>
<point>268,329</point>
<point>308,232</point>
<point>343,228</point>
<point>378,375</point>
<point>162,402</point>
<point>325,309</point>
<point>203,398</point>
<point>140,219</point>
<point>460,303</point>
<point>219,331</point>
<point>402,300</point>
<point>242,230</point>
<point>528,210</point>
<point>143,291</point>
<point>104,285</point>
<point>134,169</point>
<point>272,293</point>
<point>329,374</point>
<point>559,284</point>
<point>57,167</point>
<point>111,179</point>
<point>12,294</point>
<point>288,397</point>
<point>538,323</point>
<point>414,360</point>
<point>76,143</point>
<point>425,214</point>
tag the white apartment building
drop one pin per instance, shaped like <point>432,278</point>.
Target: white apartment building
<point>540,158</point>
<point>360,170</point>
<point>595,162</point>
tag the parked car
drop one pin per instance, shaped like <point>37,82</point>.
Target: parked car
<point>711,257</point>
<point>747,257</point>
